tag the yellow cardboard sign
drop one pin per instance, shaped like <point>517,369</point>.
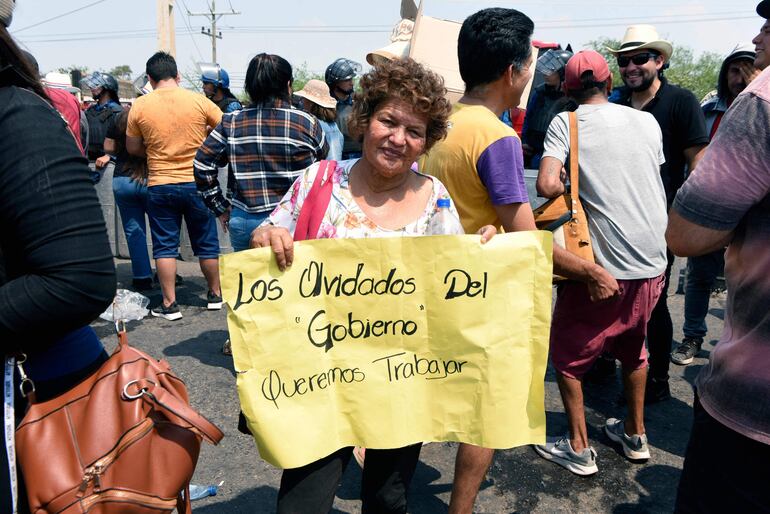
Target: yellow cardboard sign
<point>391,341</point>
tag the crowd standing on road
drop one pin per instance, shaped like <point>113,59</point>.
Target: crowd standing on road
<point>660,175</point>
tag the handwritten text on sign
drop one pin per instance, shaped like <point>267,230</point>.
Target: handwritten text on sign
<point>386,342</point>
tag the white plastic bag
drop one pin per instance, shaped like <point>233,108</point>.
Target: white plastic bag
<point>127,306</point>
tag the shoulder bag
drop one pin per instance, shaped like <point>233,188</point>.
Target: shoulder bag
<point>123,440</point>
<point>564,215</point>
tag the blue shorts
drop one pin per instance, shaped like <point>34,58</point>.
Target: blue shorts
<point>166,205</point>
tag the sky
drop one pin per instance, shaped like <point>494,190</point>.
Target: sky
<point>106,33</point>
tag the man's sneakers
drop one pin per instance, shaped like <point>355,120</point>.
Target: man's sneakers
<point>214,301</point>
<point>686,351</point>
<point>559,450</point>
<point>634,446</point>
<point>170,313</point>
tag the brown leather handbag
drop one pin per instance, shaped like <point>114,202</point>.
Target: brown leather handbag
<point>125,440</point>
<point>564,215</point>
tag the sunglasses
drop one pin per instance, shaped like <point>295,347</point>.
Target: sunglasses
<point>638,59</point>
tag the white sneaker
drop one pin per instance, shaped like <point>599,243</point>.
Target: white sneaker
<point>559,450</point>
<point>634,446</point>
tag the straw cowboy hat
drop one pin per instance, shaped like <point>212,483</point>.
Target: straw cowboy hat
<point>639,37</point>
<point>317,92</point>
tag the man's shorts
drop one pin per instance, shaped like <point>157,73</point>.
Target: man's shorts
<point>166,205</point>
<point>581,330</point>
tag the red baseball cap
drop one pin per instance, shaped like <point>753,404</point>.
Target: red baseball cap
<point>581,62</point>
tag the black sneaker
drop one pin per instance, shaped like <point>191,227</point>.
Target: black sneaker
<point>686,351</point>
<point>657,390</point>
<point>142,284</point>
<point>215,301</point>
<point>170,313</point>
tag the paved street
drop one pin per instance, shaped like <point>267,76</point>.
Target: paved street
<point>519,481</point>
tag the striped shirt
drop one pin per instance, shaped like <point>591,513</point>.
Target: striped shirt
<point>267,147</point>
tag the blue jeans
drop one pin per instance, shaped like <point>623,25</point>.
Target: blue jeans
<point>166,206</point>
<point>702,272</point>
<point>242,224</point>
<point>131,199</point>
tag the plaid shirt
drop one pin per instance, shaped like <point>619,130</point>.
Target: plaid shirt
<point>267,148</point>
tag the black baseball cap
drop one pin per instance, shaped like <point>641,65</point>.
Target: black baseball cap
<point>763,9</point>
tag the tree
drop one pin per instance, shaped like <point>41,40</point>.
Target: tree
<point>122,71</point>
<point>66,69</point>
<point>302,75</point>
<point>699,75</point>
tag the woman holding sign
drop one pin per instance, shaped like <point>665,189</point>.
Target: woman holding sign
<point>400,114</point>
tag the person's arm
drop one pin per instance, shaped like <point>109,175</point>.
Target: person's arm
<point>691,125</point>
<point>134,140</point>
<point>688,239</point>
<point>110,146</point>
<point>135,146</point>
<point>693,155</point>
<point>550,178</point>
<point>601,284</point>
<point>58,264</point>
<point>210,157</point>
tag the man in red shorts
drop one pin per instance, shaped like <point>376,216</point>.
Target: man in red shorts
<point>624,199</point>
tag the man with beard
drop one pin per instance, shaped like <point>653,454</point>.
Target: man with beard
<point>339,77</point>
<point>642,57</point>
<point>736,73</point>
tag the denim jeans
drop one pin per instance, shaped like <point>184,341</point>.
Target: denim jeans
<point>131,199</point>
<point>166,206</point>
<point>242,224</point>
<point>702,272</point>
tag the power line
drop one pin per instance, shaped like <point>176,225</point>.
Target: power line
<point>576,25</point>
<point>62,15</point>
<point>186,20</point>
<point>214,17</point>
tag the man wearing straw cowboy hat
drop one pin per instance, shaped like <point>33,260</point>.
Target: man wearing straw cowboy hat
<point>641,57</point>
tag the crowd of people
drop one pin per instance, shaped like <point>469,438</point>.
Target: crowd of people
<point>660,175</point>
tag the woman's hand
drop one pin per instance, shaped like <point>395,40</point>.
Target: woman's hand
<point>279,239</point>
<point>487,232</point>
<point>102,161</point>
<point>224,219</point>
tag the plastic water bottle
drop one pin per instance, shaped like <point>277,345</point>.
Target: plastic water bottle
<point>444,222</point>
<point>202,491</point>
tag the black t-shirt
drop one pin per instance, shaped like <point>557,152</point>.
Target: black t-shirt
<point>122,156</point>
<point>56,268</point>
<point>683,126</point>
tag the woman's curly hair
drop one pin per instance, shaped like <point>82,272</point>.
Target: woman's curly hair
<point>408,81</point>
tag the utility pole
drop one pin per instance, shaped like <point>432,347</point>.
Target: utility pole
<point>165,19</point>
<point>214,16</point>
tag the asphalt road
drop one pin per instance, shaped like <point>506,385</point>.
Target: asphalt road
<point>519,481</point>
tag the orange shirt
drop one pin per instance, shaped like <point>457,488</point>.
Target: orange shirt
<point>173,124</point>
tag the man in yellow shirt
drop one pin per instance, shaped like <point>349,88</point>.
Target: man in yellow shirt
<point>481,164</point>
<point>168,126</point>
